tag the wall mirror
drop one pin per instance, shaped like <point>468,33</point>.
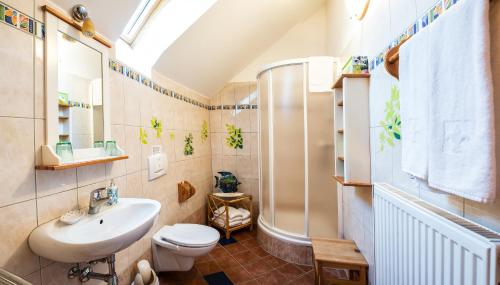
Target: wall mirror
<point>80,110</point>
<point>77,100</point>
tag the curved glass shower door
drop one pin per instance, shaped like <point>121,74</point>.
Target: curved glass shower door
<point>298,195</point>
<point>289,151</point>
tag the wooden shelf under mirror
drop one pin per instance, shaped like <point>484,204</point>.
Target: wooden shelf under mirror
<point>81,163</point>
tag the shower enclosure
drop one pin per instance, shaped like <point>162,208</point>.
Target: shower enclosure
<point>298,196</point>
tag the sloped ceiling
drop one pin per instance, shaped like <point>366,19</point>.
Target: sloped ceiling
<point>227,38</point>
<point>109,16</point>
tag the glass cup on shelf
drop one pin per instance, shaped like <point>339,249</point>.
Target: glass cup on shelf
<point>65,151</point>
<point>99,144</point>
<point>111,149</point>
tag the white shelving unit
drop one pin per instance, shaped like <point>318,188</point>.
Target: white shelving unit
<point>352,130</point>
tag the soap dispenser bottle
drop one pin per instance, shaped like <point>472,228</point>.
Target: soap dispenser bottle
<point>112,193</point>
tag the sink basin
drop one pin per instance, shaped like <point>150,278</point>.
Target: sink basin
<point>95,236</point>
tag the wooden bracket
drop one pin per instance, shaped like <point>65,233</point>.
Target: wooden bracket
<point>185,191</point>
<point>62,16</point>
<point>391,60</point>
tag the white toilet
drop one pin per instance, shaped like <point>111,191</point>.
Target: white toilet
<point>175,247</point>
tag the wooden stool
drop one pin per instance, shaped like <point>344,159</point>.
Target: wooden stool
<point>338,254</point>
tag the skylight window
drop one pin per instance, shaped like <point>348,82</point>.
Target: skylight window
<point>162,26</point>
<point>138,20</point>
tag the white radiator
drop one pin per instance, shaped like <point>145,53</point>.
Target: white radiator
<point>417,243</point>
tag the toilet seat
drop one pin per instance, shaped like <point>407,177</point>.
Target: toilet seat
<point>186,235</point>
<point>176,247</point>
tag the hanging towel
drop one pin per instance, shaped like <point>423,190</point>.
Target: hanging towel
<point>414,83</point>
<point>245,214</point>
<point>233,213</point>
<point>461,116</point>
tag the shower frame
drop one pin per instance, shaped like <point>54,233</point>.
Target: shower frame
<point>300,238</point>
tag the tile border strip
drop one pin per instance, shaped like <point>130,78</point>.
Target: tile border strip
<point>420,23</point>
<point>127,71</point>
<point>144,80</point>
<point>16,19</point>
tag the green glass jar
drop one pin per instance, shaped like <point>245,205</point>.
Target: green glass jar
<point>99,144</point>
<point>111,149</point>
<point>65,151</point>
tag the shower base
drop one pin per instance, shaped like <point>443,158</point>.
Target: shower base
<point>286,246</point>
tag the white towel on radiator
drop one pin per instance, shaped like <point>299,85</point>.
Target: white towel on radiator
<point>461,116</point>
<point>414,83</point>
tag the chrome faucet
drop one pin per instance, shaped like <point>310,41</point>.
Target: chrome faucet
<point>97,198</point>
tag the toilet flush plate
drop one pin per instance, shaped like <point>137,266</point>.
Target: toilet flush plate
<point>157,163</point>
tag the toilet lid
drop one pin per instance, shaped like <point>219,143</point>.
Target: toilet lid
<point>190,235</point>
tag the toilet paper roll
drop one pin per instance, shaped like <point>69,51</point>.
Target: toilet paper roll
<point>145,270</point>
<point>138,279</point>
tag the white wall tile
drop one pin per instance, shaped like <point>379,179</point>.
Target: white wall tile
<point>17,159</point>
<point>90,174</point>
<point>53,206</point>
<point>117,98</point>
<point>133,148</point>
<point>18,220</point>
<point>403,14</point>
<point>17,73</point>
<point>39,82</point>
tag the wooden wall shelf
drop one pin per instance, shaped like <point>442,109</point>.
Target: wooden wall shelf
<point>339,81</point>
<point>352,130</point>
<point>340,179</point>
<point>81,163</point>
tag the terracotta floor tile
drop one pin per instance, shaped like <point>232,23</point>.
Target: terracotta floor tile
<point>196,281</point>
<point>218,252</point>
<point>274,262</point>
<point>258,268</point>
<point>249,282</point>
<point>290,271</point>
<point>306,279</point>
<point>250,243</point>
<point>238,274</point>
<point>179,277</point>
<point>272,278</point>
<point>208,267</point>
<point>305,268</point>
<point>203,258</point>
<point>235,248</point>
<point>226,262</point>
<point>242,235</point>
<point>259,251</point>
<point>246,257</point>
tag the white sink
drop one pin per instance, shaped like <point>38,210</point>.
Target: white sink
<point>95,236</point>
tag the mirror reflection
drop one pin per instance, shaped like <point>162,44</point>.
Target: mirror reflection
<point>81,119</point>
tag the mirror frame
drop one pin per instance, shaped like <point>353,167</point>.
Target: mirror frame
<point>53,25</point>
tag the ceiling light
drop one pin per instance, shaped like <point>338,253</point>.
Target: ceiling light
<point>358,8</point>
